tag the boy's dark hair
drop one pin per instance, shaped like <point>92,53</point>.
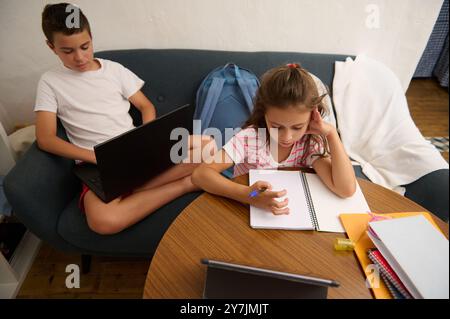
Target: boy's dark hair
<point>54,19</point>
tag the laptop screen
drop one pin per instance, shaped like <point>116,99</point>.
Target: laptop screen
<point>133,158</point>
<point>232,281</point>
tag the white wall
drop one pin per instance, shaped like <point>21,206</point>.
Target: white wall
<point>324,26</point>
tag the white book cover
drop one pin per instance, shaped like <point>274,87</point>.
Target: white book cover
<point>327,206</point>
<point>417,252</point>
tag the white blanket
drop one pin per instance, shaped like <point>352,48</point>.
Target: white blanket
<point>375,125</point>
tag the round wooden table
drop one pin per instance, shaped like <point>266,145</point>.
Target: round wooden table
<point>218,228</point>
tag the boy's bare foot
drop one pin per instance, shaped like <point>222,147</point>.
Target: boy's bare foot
<point>189,186</point>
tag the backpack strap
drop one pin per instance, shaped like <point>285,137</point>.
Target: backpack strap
<point>211,100</point>
<point>247,87</point>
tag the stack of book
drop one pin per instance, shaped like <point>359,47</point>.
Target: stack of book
<point>412,256</point>
<point>404,255</point>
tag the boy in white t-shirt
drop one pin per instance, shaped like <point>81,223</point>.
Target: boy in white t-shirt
<point>92,97</point>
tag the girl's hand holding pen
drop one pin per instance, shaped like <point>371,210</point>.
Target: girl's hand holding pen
<point>262,196</point>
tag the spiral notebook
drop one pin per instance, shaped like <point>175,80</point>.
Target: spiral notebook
<point>395,293</point>
<point>392,281</point>
<point>312,205</point>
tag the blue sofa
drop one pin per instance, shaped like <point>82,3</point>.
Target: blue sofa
<point>44,192</point>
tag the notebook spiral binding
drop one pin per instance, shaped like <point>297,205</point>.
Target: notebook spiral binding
<point>309,202</point>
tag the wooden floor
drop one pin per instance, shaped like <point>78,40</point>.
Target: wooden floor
<point>125,277</point>
<point>428,104</point>
<point>109,277</point>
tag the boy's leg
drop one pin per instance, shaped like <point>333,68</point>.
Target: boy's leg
<point>197,143</point>
<point>121,213</point>
<point>172,174</point>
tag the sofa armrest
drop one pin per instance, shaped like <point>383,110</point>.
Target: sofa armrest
<point>431,192</point>
<point>38,188</point>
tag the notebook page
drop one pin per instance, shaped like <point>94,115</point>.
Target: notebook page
<point>298,217</point>
<point>329,206</point>
<point>420,250</point>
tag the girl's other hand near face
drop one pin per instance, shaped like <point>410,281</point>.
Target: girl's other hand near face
<point>317,125</point>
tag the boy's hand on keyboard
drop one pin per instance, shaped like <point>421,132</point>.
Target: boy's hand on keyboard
<point>267,199</point>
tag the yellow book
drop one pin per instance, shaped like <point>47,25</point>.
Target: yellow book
<point>356,227</point>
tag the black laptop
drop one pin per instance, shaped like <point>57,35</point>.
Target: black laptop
<point>232,281</point>
<point>134,157</point>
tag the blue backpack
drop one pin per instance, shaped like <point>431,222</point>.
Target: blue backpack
<point>225,98</point>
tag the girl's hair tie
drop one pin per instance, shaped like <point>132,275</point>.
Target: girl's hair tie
<point>293,65</point>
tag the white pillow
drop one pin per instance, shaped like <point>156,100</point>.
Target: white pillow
<point>22,139</point>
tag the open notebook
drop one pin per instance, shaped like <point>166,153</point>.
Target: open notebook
<point>312,205</point>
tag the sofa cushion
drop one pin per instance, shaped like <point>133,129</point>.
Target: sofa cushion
<point>140,239</point>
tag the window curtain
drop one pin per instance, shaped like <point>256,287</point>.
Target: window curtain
<point>434,60</point>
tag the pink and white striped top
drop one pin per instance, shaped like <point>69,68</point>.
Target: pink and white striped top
<point>249,150</point>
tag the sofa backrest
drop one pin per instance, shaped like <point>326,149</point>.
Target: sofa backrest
<point>172,76</point>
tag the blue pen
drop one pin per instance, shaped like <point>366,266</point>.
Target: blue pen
<point>256,192</point>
